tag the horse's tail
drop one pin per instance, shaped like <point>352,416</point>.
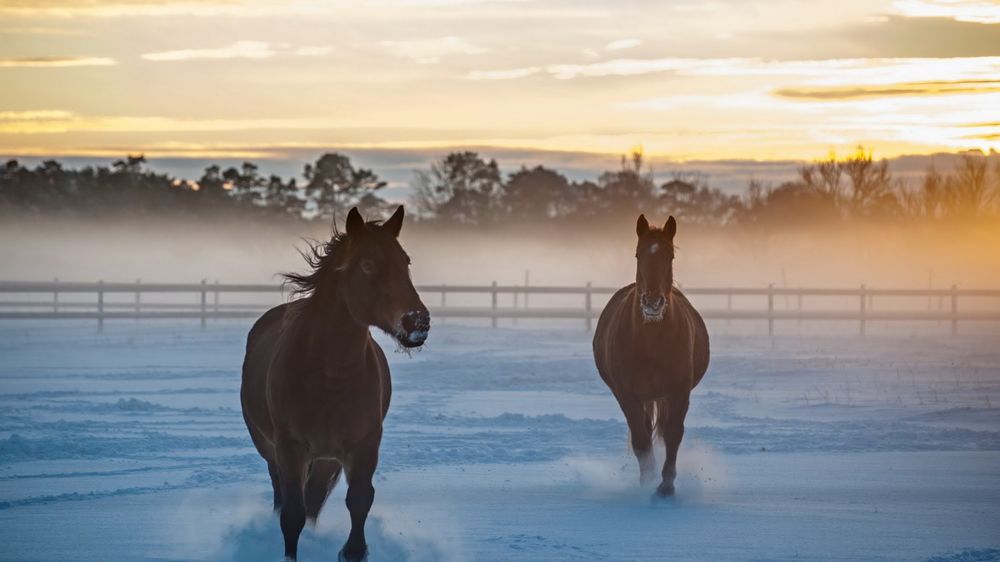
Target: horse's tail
<point>657,413</point>
<point>653,412</point>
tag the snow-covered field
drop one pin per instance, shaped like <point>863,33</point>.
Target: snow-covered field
<point>503,444</point>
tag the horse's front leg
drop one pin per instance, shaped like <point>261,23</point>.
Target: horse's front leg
<point>292,466</point>
<point>640,430</point>
<point>671,426</point>
<point>359,469</point>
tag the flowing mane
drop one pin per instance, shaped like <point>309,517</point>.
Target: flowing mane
<point>324,259</point>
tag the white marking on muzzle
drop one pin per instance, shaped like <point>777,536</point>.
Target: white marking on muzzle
<point>649,316</point>
<point>414,336</point>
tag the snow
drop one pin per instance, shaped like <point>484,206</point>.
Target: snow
<point>504,444</point>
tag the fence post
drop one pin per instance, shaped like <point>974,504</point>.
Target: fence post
<point>863,300</point>
<point>204,302</point>
<point>137,299</point>
<point>798,321</point>
<point>954,310</point>
<point>55,297</point>
<point>444,300</point>
<point>527,283</point>
<point>100,306</point>
<point>590,316</point>
<point>494,317</point>
<point>729,306</point>
<point>516,296</point>
<point>215,301</point>
<point>770,309</point>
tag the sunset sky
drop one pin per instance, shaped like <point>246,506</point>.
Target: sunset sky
<point>689,79</point>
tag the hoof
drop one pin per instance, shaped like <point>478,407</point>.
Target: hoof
<point>353,555</point>
<point>665,490</point>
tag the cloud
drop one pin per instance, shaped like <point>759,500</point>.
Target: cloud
<point>622,44</point>
<point>899,37</point>
<point>238,50</point>
<point>55,62</point>
<point>981,11</point>
<point>40,30</point>
<point>429,51</point>
<point>902,89</point>
<point>832,72</point>
<point>35,115</point>
<point>234,8</point>
<point>313,51</point>
<point>127,8</point>
<point>510,74</point>
<point>61,121</point>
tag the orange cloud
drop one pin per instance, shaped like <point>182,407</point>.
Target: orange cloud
<point>934,88</point>
<point>55,62</point>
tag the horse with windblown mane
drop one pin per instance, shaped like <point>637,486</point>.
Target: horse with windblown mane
<point>651,349</point>
<point>316,385</point>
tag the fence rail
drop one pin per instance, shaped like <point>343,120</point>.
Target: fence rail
<point>204,302</point>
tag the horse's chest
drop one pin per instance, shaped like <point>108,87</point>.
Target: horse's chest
<point>334,415</point>
<point>650,373</point>
<point>656,379</point>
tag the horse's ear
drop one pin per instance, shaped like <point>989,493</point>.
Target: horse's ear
<point>355,224</point>
<point>670,227</point>
<point>395,222</point>
<point>641,226</point>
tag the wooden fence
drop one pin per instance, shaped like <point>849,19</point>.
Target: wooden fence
<point>204,301</point>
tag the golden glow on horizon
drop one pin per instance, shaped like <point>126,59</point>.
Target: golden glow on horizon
<point>732,79</point>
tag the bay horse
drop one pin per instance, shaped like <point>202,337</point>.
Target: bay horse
<point>651,349</point>
<point>316,386</point>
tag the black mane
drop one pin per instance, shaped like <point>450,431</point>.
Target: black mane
<point>324,259</point>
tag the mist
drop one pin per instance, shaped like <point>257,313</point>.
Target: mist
<point>913,256</point>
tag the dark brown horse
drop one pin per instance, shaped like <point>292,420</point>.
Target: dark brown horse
<point>316,385</point>
<point>651,349</point>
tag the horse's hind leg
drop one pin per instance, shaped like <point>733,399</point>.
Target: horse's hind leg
<point>272,469</point>
<point>671,426</point>
<point>640,430</point>
<point>323,476</point>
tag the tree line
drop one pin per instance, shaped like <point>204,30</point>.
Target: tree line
<point>466,188</point>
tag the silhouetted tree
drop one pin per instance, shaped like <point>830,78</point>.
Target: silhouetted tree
<point>334,183</point>
<point>690,198</point>
<point>211,185</point>
<point>462,188</point>
<point>282,198</point>
<point>971,190</point>
<point>791,203</point>
<point>537,193</point>
<point>466,188</point>
<point>246,183</point>
<point>629,189</point>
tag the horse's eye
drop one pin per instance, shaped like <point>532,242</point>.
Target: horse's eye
<point>367,266</point>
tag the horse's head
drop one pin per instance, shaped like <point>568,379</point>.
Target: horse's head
<point>654,272</point>
<point>376,282</point>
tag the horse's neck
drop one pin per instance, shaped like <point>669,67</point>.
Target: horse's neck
<point>650,334</point>
<point>329,329</point>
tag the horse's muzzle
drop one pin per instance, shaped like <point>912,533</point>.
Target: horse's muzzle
<point>414,327</point>
<point>652,307</point>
